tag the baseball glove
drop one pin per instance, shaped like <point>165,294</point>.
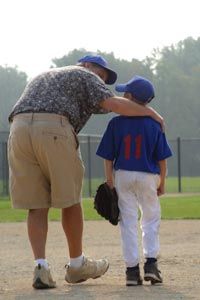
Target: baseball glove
<point>106,203</point>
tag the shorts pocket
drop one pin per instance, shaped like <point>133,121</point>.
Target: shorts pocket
<point>55,135</point>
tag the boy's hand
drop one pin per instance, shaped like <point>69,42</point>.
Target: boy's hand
<point>161,190</point>
<point>110,183</point>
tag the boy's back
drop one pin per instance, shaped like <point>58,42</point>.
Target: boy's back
<point>134,144</point>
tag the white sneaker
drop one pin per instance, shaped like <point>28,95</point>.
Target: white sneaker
<point>42,278</point>
<point>90,269</point>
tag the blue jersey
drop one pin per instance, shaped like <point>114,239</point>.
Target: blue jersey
<point>134,144</point>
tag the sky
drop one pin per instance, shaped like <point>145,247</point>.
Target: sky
<point>33,32</point>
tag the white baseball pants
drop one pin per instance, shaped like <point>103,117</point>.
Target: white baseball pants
<point>138,190</point>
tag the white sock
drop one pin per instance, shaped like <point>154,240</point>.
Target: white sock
<point>43,262</point>
<point>77,261</point>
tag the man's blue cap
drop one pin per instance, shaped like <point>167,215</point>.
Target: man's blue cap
<point>140,88</point>
<point>99,60</point>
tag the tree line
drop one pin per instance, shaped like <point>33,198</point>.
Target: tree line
<point>174,71</point>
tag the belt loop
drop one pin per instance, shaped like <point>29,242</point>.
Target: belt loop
<point>62,121</point>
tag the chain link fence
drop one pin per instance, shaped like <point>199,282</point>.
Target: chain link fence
<point>183,166</point>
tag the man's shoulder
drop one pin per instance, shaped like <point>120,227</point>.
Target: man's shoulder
<point>67,69</point>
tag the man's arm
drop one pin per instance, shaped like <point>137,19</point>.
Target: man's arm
<point>108,169</point>
<point>126,107</point>
<point>163,171</point>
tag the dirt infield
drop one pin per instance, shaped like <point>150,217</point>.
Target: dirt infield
<point>179,262</point>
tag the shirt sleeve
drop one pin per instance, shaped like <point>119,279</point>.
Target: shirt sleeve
<point>97,91</point>
<point>106,148</point>
<point>162,149</point>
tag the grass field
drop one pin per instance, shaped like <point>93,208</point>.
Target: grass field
<point>173,207</point>
<point>188,185</point>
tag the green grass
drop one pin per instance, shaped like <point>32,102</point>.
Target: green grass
<point>188,185</point>
<point>173,207</point>
<point>180,207</point>
<point>95,182</point>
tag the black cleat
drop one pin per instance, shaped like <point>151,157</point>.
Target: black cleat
<point>133,277</point>
<point>151,273</point>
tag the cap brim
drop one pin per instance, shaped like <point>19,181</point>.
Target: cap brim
<point>120,88</point>
<point>112,76</point>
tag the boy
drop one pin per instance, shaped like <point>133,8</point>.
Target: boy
<point>135,151</point>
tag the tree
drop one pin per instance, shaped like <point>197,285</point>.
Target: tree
<point>177,79</point>
<point>12,83</point>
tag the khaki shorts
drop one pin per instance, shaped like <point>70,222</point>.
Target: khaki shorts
<point>45,165</point>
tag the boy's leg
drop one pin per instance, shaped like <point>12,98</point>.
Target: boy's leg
<point>150,223</point>
<point>129,229</point>
<point>128,225</point>
<point>150,214</point>
<point>128,217</point>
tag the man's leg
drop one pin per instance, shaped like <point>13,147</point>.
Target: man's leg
<point>72,222</point>
<point>82,267</point>
<point>37,223</point>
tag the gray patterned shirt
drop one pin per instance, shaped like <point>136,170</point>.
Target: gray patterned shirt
<point>72,91</point>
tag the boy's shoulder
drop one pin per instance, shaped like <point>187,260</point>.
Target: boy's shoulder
<point>142,119</point>
<point>150,120</point>
<point>147,123</point>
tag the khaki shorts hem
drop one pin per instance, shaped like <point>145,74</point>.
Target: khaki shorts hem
<point>51,205</point>
<point>30,207</point>
<point>66,204</point>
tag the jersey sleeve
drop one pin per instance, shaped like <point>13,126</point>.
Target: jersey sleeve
<point>162,149</point>
<point>106,148</point>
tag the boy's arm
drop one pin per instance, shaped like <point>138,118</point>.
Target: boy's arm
<point>163,172</point>
<point>108,169</point>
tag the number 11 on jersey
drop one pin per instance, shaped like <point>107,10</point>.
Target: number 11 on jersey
<point>128,140</point>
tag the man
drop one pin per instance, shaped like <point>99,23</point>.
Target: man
<point>46,169</point>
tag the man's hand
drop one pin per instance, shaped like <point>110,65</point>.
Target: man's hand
<point>156,116</point>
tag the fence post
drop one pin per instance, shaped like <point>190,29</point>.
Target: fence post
<point>5,179</point>
<point>179,163</point>
<point>89,167</point>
